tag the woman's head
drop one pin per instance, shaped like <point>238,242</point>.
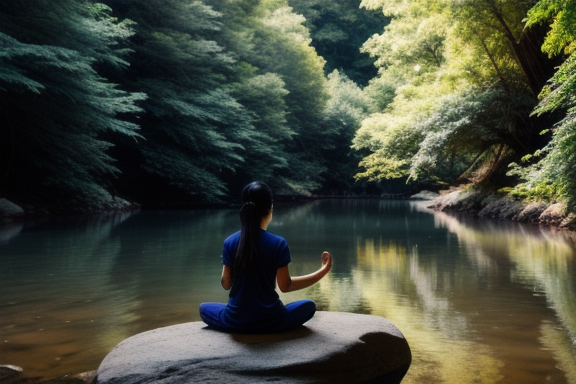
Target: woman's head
<point>256,204</point>
<point>259,195</point>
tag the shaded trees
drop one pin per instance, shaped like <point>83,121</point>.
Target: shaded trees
<point>553,176</point>
<point>273,46</point>
<point>338,30</point>
<point>235,92</point>
<point>226,92</point>
<point>191,123</point>
<point>55,106</point>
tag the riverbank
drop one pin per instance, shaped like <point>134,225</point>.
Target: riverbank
<point>488,205</point>
<point>500,207</point>
<point>11,211</point>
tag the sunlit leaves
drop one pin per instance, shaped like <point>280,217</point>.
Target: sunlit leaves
<point>378,166</point>
<point>560,93</point>
<point>561,16</point>
<point>417,41</point>
<point>390,136</point>
<point>451,72</point>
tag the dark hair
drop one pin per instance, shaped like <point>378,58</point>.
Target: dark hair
<point>256,203</point>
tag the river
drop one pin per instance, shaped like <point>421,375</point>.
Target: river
<point>478,301</point>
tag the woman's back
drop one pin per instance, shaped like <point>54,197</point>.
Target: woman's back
<point>253,300</point>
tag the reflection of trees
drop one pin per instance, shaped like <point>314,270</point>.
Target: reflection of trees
<point>9,231</point>
<point>398,286</point>
<point>563,349</point>
<point>437,311</point>
<point>548,265</point>
<point>54,293</point>
<point>94,282</point>
<point>539,260</point>
<point>335,293</point>
<point>173,262</point>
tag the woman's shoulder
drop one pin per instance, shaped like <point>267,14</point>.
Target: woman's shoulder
<point>233,237</point>
<point>273,238</point>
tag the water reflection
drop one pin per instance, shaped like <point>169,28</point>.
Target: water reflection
<point>479,302</point>
<point>71,290</point>
<point>416,297</point>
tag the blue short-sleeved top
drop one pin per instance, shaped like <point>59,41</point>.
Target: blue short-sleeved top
<point>253,301</point>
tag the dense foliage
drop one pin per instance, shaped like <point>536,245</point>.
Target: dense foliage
<point>550,173</point>
<point>338,30</point>
<point>462,80</point>
<point>184,101</point>
<point>165,102</point>
<point>54,105</point>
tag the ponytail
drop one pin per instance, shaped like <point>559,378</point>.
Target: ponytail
<point>257,202</point>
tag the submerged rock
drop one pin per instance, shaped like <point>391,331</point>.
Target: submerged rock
<point>333,347</point>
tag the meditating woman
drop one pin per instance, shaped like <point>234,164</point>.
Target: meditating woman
<point>254,260</point>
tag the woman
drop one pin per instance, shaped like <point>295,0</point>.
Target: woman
<point>254,260</point>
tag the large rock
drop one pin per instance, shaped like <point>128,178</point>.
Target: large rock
<point>9,210</point>
<point>333,347</point>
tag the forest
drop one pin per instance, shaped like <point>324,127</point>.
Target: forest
<point>182,102</point>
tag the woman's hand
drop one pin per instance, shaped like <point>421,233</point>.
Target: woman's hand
<point>326,261</point>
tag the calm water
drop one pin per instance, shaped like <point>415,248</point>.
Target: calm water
<point>479,302</point>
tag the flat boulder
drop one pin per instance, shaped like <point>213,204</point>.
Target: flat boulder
<point>333,347</point>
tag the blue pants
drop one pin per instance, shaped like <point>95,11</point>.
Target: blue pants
<point>299,312</point>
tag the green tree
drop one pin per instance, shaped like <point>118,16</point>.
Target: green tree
<point>283,46</point>
<point>235,92</point>
<point>261,92</point>
<point>264,95</point>
<point>460,80</point>
<point>55,108</point>
<point>347,106</point>
<point>554,175</point>
<point>195,130</point>
<point>338,30</point>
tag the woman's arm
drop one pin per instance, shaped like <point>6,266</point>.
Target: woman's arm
<point>286,283</point>
<point>226,279</point>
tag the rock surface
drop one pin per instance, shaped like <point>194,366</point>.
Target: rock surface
<point>9,373</point>
<point>495,206</point>
<point>9,210</point>
<point>333,347</point>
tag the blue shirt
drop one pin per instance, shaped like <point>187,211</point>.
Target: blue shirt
<point>253,301</point>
